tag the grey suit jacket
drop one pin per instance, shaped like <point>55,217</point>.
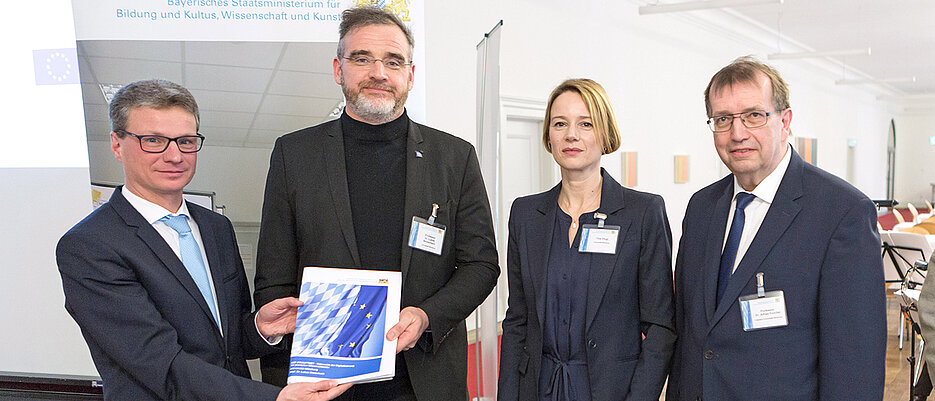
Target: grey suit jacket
<point>307,222</point>
<point>927,318</point>
<point>149,329</point>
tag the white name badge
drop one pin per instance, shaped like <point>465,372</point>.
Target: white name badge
<point>763,312</point>
<point>595,239</point>
<point>426,236</point>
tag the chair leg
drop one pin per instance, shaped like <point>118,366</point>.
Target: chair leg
<point>902,326</point>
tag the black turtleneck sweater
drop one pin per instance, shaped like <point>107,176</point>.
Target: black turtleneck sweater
<point>375,158</point>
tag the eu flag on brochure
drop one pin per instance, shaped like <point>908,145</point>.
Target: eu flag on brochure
<point>341,328</point>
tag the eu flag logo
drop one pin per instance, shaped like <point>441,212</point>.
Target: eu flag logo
<point>56,66</point>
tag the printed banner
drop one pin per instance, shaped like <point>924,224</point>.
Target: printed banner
<point>286,21</point>
<point>245,20</point>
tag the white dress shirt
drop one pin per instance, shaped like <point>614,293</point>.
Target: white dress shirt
<point>755,212</point>
<point>153,213</point>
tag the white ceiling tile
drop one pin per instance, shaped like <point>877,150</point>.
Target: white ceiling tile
<point>236,79</point>
<point>283,124</point>
<point>218,135</point>
<point>225,119</point>
<point>124,71</point>
<point>133,49</point>
<point>91,93</point>
<point>298,106</point>
<point>259,138</point>
<point>97,130</point>
<point>244,54</point>
<point>227,79</point>
<point>309,57</point>
<point>899,35</point>
<point>84,70</point>
<point>226,101</point>
<point>266,135</point>
<point>96,112</point>
<point>305,84</point>
<point>259,145</point>
<point>225,143</point>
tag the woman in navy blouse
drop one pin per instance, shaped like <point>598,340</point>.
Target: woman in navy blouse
<point>590,312</point>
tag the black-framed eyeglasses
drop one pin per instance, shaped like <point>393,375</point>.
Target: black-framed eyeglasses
<point>159,143</point>
<point>363,61</point>
<point>751,119</point>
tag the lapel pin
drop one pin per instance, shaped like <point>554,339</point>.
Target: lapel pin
<point>418,154</point>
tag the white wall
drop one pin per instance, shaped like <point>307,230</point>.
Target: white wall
<point>915,169</point>
<point>655,69</point>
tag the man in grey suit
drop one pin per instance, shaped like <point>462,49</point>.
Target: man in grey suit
<point>347,193</point>
<point>927,325</point>
<point>156,284</point>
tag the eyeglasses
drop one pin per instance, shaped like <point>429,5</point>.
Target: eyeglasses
<point>159,143</point>
<point>392,63</point>
<point>750,119</point>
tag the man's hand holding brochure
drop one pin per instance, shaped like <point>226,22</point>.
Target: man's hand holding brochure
<point>341,330</point>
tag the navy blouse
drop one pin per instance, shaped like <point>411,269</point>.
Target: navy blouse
<point>564,373</point>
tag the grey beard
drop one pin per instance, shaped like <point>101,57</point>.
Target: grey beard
<point>374,111</point>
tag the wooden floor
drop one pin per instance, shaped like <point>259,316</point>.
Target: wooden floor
<point>897,367</point>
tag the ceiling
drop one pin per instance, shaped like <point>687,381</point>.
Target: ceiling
<point>250,93</point>
<point>900,34</point>
<point>280,87</point>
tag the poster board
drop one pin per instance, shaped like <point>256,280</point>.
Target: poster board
<point>43,70</point>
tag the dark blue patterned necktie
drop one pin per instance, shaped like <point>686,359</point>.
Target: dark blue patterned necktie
<point>733,242</point>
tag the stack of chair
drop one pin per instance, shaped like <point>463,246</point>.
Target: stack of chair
<point>922,223</point>
<point>900,251</point>
<point>916,216</point>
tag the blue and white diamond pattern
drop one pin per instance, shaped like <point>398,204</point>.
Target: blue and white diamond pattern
<point>322,314</point>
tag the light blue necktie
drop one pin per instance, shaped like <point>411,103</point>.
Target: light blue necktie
<point>733,242</point>
<point>191,258</point>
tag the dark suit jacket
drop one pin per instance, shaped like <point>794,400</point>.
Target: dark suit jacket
<point>307,222</point>
<point>150,332</point>
<point>819,244</point>
<point>629,295</point>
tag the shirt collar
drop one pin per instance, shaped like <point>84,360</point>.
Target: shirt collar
<point>151,211</point>
<point>767,188</point>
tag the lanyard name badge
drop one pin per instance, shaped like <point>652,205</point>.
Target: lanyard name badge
<point>763,310</point>
<point>426,235</point>
<point>599,238</point>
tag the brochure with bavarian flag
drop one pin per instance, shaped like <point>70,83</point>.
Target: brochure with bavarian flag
<point>340,330</point>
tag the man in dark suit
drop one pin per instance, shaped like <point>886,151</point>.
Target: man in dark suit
<point>344,194</point>
<point>776,224</point>
<point>156,284</point>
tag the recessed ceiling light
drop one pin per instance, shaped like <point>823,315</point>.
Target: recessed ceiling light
<point>827,53</point>
<point>109,90</point>
<point>892,80</point>
<point>701,5</point>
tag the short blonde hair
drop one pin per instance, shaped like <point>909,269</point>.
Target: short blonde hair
<point>602,114</point>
